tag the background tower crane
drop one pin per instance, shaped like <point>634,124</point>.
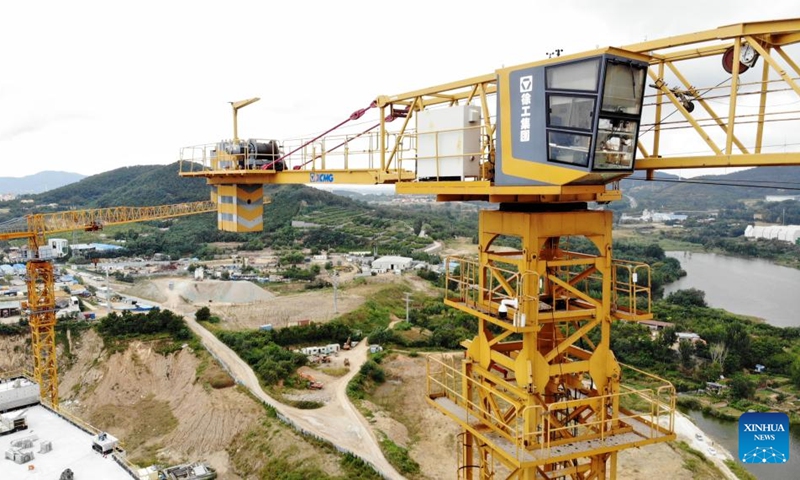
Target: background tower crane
<point>40,276</point>
<point>539,393</point>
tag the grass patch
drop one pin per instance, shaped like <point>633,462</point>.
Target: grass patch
<point>739,470</point>
<point>335,371</point>
<point>270,449</point>
<point>399,457</point>
<point>211,374</point>
<point>696,462</point>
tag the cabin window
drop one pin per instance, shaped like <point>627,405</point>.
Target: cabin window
<point>571,112</point>
<point>581,75</point>
<point>566,147</point>
<point>623,88</point>
<point>616,141</point>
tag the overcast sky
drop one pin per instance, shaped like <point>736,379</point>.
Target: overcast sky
<point>89,86</point>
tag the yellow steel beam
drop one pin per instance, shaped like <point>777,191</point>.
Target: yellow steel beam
<point>737,48</point>
<point>465,84</point>
<point>773,63</point>
<point>567,342</point>
<point>698,52</point>
<point>775,32</point>
<point>708,161</point>
<point>99,217</point>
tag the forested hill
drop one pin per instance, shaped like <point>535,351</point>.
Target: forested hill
<point>712,191</point>
<point>341,223</point>
<point>129,186</point>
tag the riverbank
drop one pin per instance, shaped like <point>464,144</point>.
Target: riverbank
<point>695,438</point>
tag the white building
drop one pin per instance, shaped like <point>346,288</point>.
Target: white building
<point>784,233</point>
<point>391,263</point>
<point>781,198</point>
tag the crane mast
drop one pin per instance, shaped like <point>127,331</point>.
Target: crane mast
<point>539,392</point>
<point>40,280</point>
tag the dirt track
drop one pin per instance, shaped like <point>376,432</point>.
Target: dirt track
<point>337,422</point>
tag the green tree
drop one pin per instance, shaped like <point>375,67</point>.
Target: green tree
<point>668,336</point>
<point>742,387</point>
<point>203,314</point>
<point>794,372</point>
<point>686,351</point>
<point>691,297</point>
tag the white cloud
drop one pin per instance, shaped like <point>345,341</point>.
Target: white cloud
<point>88,86</point>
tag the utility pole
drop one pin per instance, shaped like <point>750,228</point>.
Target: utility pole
<point>335,290</point>
<point>108,292</point>
<point>408,299</point>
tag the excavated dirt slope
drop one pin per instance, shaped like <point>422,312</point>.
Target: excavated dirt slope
<point>165,409</point>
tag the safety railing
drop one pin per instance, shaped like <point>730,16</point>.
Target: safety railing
<point>437,155</point>
<point>449,154</point>
<point>484,288</point>
<point>631,285</point>
<point>445,380</point>
<point>645,412</point>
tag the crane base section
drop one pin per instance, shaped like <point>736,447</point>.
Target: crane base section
<point>538,392</point>
<point>240,207</point>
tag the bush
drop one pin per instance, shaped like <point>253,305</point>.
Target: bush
<point>691,297</point>
<point>155,321</point>
<point>202,314</point>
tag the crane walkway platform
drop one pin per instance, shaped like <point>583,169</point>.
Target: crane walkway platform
<point>642,433</point>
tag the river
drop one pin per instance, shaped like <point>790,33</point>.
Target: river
<point>749,287</point>
<point>726,433</point>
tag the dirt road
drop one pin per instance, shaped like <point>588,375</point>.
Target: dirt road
<point>337,422</point>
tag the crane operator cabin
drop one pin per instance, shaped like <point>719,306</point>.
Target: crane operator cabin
<point>574,122</point>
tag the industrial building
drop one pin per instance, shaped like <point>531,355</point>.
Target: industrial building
<point>391,263</point>
<point>784,233</point>
<point>9,309</point>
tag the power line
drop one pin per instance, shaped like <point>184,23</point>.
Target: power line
<point>725,184</point>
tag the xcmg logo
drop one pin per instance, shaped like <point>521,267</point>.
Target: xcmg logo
<point>764,438</point>
<point>321,178</point>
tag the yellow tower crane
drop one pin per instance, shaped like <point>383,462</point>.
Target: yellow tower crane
<point>40,280</point>
<point>538,392</point>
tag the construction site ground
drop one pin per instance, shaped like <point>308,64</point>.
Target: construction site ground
<point>398,409</point>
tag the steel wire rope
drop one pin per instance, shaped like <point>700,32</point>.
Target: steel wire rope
<point>697,97</point>
<point>707,182</point>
